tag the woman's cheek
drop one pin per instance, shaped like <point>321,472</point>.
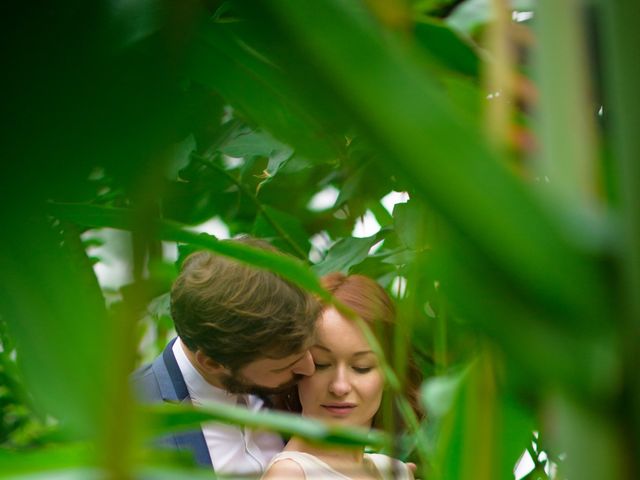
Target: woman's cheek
<point>308,391</point>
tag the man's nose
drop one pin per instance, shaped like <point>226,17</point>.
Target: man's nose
<point>305,365</point>
<point>340,384</point>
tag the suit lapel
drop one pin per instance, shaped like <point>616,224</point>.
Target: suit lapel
<point>173,389</point>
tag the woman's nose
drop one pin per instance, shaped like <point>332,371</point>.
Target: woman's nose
<point>340,384</point>
<point>305,365</point>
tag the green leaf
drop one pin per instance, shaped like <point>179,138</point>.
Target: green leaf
<point>46,461</point>
<point>346,253</point>
<point>252,143</point>
<point>223,59</point>
<point>360,63</point>
<point>288,267</point>
<point>444,44</point>
<point>60,328</point>
<point>169,418</point>
<point>439,393</point>
<point>283,230</point>
<point>485,422</point>
<point>410,222</point>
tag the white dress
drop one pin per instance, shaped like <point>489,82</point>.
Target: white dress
<point>315,469</point>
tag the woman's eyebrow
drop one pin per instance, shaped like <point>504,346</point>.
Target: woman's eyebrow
<point>363,352</point>
<point>322,347</point>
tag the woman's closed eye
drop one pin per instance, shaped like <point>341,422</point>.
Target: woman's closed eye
<point>321,366</point>
<point>362,370</point>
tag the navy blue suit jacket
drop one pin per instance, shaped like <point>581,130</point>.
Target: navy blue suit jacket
<point>162,381</point>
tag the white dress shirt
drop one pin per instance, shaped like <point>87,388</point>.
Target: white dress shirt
<point>234,450</point>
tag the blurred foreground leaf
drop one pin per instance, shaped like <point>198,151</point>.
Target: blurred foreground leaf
<point>167,418</point>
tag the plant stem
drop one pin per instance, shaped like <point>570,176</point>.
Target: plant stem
<point>245,190</point>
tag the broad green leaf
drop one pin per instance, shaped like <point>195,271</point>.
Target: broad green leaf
<point>410,222</point>
<point>285,231</point>
<point>346,253</point>
<point>251,143</point>
<point>60,328</point>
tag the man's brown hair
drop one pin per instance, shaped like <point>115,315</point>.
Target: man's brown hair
<point>236,313</point>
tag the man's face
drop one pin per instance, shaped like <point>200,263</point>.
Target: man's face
<point>267,376</point>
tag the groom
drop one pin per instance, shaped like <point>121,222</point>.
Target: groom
<point>242,332</point>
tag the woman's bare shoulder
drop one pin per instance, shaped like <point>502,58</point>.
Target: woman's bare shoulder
<point>285,468</point>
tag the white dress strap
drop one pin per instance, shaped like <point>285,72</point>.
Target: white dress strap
<point>390,468</point>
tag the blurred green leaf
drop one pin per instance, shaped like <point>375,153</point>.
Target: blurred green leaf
<point>168,418</point>
<point>410,222</point>
<point>44,314</point>
<point>444,44</point>
<point>290,268</point>
<point>438,393</point>
<point>485,432</point>
<point>251,143</point>
<point>254,85</point>
<point>502,224</point>
<point>53,460</point>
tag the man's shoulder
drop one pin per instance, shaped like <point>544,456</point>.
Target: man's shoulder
<point>160,379</point>
<point>145,384</point>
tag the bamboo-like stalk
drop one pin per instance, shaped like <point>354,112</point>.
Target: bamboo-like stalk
<point>566,114</point>
<point>499,75</point>
<point>622,76</point>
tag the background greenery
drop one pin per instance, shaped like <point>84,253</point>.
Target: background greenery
<point>515,260</point>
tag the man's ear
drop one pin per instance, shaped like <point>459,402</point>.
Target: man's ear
<point>208,364</point>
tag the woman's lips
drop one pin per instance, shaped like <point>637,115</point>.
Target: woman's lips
<point>339,408</point>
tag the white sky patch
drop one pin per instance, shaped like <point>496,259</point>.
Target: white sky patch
<point>393,198</point>
<point>524,466</point>
<point>320,244</point>
<point>366,226</point>
<point>232,162</point>
<point>521,16</point>
<point>399,286</point>
<point>375,247</point>
<point>214,226</point>
<point>114,268</point>
<point>324,199</point>
<point>170,251</point>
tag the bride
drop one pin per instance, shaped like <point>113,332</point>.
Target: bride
<point>346,388</point>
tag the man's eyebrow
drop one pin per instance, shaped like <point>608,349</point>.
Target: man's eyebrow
<point>280,369</point>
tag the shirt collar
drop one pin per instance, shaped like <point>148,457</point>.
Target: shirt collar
<point>199,389</point>
<point>202,391</point>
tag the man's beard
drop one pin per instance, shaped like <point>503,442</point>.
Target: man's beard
<point>236,383</point>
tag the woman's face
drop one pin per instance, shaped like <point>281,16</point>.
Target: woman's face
<point>347,384</point>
